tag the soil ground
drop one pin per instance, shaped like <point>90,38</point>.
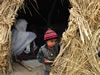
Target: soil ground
<point>37,68</point>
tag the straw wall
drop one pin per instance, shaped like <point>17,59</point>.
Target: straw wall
<point>8,9</point>
<point>81,41</point>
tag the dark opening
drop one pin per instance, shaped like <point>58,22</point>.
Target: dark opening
<point>52,14</point>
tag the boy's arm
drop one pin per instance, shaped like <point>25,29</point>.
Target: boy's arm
<point>41,58</point>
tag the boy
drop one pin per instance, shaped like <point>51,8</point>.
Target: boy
<point>48,51</point>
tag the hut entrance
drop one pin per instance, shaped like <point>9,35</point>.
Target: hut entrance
<point>42,15</point>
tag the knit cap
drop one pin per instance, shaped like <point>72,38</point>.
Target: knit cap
<point>50,34</point>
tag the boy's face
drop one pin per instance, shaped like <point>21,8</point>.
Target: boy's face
<point>51,43</point>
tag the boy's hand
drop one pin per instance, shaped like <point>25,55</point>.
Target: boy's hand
<point>47,61</point>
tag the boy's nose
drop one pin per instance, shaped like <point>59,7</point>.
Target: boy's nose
<point>54,43</point>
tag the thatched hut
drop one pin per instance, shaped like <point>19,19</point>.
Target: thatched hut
<point>80,43</point>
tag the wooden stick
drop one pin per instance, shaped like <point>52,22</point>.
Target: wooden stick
<point>24,65</point>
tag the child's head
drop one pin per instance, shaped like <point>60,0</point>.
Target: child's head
<point>50,37</point>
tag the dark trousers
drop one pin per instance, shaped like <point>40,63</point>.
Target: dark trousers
<point>46,72</point>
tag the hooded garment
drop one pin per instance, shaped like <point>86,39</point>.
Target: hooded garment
<point>21,39</point>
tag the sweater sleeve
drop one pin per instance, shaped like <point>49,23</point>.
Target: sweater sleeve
<point>40,56</point>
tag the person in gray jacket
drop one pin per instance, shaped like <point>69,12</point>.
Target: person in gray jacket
<point>48,52</point>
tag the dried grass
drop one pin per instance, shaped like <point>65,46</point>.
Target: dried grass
<point>81,41</point>
<point>8,12</point>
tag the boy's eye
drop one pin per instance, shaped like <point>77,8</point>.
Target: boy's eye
<point>53,40</point>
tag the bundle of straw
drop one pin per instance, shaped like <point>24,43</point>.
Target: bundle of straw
<point>8,11</point>
<point>81,41</point>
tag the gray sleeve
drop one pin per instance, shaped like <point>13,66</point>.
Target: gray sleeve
<point>40,56</point>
